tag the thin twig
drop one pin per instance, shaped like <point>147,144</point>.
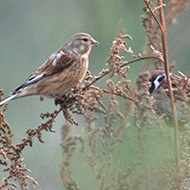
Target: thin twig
<point>27,140</point>
<point>152,13</point>
<point>17,176</point>
<point>121,95</point>
<point>186,82</point>
<point>121,66</point>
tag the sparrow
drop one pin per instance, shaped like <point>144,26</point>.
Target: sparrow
<point>63,70</point>
<point>160,93</point>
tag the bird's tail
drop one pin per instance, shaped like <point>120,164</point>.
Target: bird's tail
<point>8,99</point>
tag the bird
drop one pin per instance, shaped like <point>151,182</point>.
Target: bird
<point>63,70</point>
<point>160,93</point>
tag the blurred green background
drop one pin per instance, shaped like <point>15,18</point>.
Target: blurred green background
<point>31,30</point>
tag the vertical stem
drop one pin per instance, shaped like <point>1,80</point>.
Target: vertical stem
<point>173,103</point>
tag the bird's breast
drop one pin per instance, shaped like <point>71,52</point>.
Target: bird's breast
<point>61,82</point>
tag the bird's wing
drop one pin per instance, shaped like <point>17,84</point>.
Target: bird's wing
<point>57,62</point>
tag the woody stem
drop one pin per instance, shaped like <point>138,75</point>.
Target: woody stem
<point>167,70</point>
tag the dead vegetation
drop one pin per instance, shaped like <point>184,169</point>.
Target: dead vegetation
<point>101,143</point>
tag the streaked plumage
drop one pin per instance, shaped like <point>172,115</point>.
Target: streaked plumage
<point>63,70</point>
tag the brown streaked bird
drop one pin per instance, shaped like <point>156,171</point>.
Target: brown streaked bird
<point>160,93</point>
<point>62,71</point>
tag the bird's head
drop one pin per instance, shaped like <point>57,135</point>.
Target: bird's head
<point>81,43</point>
<point>157,79</point>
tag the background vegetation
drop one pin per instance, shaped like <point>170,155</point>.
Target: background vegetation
<point>30,32</point>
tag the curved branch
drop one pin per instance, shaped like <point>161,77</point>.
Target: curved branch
<point>121,66</point>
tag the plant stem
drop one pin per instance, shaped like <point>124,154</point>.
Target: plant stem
<point>152,13</point>
<point>167,70</point>
<point>162,26</point>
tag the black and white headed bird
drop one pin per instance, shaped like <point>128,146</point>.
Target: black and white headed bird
<point>160,93</point>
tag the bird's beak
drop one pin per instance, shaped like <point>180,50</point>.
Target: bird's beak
<point>94,42</point>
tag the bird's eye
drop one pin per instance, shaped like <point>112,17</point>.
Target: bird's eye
<point>85,39</point>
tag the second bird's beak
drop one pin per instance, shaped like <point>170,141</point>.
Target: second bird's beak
<point>94,42</point>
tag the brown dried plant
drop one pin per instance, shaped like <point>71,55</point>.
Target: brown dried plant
<point>101,143</point>
<point>10,158</point>
<point>84,100</point>
<point>174,7</point>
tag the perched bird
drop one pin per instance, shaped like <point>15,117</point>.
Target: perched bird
<point>160,93</point>
<point>62,71</point>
